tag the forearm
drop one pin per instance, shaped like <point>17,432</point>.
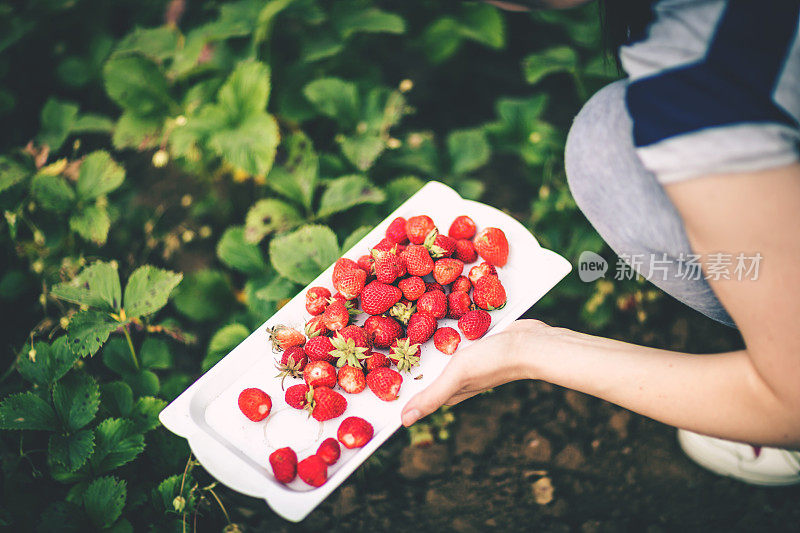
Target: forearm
<point>720,395</point>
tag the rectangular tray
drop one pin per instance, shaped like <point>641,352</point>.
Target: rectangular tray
<point>235,450</point>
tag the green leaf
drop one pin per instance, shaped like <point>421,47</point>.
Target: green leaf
<point>92,123</point>
<point>170,488</point>
<point>11,173</point>
<point>117,357</point>
<point>99,174</point>
<point>362,150</point>
<point>117,397</point>
<point>145,413</point>
<point>50,363</point>
<point>92,223</point>
<point>143,383</point>
<point>155,353</point>
<point>236,252</point>
<point>270,216</point>
<point>250,146</point>
<point>135,131</point>
<point>27,411</point>
<point>297,177</point>
<point>358,234</point>
<point>335,98</point>
<point>555,59</point>
<point>157,43</point>
<point>350,20</point>
<point>301,255</point>
<point>470,189</point>
<point>484,24</point>
<point>77,398</point>
<point>468,149</point>
<point>53,193</point>
<point>96,286</point>
<point>277,289</point>
<point>137,84</point>
<point>88,330</point>
<point>104,500</point>
<point>71,450</point>
<point>57,120</point>
<point>442,39</point>
<point>204,295</point>
<point>148,290</point>
<point>348,191</point>
<point>223,341</point>
<point>246,91</point>
<point>401,189</point>
<point>117,442</point>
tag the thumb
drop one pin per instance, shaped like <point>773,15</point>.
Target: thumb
<point>430,399</point>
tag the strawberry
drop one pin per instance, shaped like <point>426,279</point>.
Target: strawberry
<point>402,311</point>
<point>465,251</point>
<point>347,350</point>
<point>313,471</point>
<point>447,270</point>
<point>417,260</point>
<point>492,246</point>
<point>376,360</point>
<point>255,404</point>
<point>474,324</point>
<point>348,278</point>
<point>385,383</point>
<point>404,355</point>
<point>317,300</point>
<point>413,287</point>
<point>377,297</point>
<point>382,330</point>
<point>296,395</point>
<point>329,451</point>
<point>489,293</point>
<point>433,286</point>
<point>462,283</point>
<point>396,232</point>
<point>446,340</point>
<point>420,327</point>
<point>458,303</point>
<point>292,363</point>
<point>478,271</point>
<point>284,464</point>
<point>388,266</point>
<point>365,263</point>
<point>319,374</point>
<point>354,432</point>
<point>439,245</point>
<point>337,297</point>
<point>357,334</point>
<point>418,227</point>
<point>316,327</point>
<point>433,302</point>
<point>283,337</point>
<point>336,315</point>
<point>462,227</point>
<point>319,349</point>
<point>351,379</point>
<point>325,403</point>
<point>386,245</point>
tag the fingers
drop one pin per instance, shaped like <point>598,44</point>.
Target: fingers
<point>433,397</point>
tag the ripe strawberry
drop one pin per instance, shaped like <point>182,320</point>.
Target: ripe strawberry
<point>439,245</point>
<point>283,337</point>
<point>462,227</point>
<point>420,327</point>
<point>458,304</point>
<point>319,374</point>
<point>354,432</point>
<point>329,451</point>
<point>433,286</point>
<point>433,302</point>
<point>284,464</point>
<point>319,349</point>
<point>492,246</point>
<point>351,379</point>
<point>348,351</point>
<point>404,355</point>
<point>465,251</point>
<point>296,395</point>
<point>385,383</point>
<point>489,293</point>
<point>382,330</point>
<point>447,270</point>
<point>418,227</point>
<point>446,340</point>
<point>388,266</point>
<point>377,297</point>
<point>338,297</point>
<point>402,311</point>
<point>412,287</point>
<point>376,360</point>
<point>313,471</point>
<point>396,232</point>
<point>317,300</point>
<point>461,284</point>
<point>478,271</point>
<point>386,245</point>
<point>336,316</point>
<point>316,327</point>
<point>417,260</point>
<point>365,263</point>
<point>292,363</point>
<point>348,278</point>
<point>474,324</point>
<point>325,403</point>
<point>255,404</point>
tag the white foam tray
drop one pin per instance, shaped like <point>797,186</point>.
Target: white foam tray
<point>235,450</point>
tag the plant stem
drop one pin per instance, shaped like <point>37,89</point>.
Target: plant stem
<point>214,494</point>
<point>130,345</point>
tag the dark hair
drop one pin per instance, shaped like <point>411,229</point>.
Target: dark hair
<point>624,22</point>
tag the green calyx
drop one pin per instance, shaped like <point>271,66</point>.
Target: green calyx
<point>291,368</point>
<point>405,355</point>
<point>436,252</point>
<point>347,353</point>
<point>402,312</point>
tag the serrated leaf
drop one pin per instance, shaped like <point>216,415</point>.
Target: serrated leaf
<point>117,442</point>
<point>88,330</point>
<point>117,398</point>
<point>99,174</point>
<point>154,353</point>
<point>468,149</point>
<point>11,173</point>
<point>301,255</point>
<point>49,364</point>
<point>277,289</point>
<point>556,59</point>
<point>135,131</point>
<point>148,290</point>
<point>358,234</point>
<point>104,500</point>
<point>76,397</point>
<point>351,20</point>
<point>143,383</point>
<point>250,146</point>
<point>92,223</point>
<point>204,295</point>
<point>297,177</point>
<point>137,84</point>
<point>158,43</point>
<point>335,98</point>
<point>170,488</point>
<point>246,91</point>
<point>236,252</point>
<point>96,286</point>
<point>53,193</point>
<point>270,216</point>
<point>57,120</point>
<point>72,450</point>
<point>223,341</point>
<point>27,411</point>
<point>117,357</point>
<point>145,413</point>
<point>362,150</point>
<point>348,191</point>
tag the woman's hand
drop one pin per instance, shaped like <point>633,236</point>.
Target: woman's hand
<point>488,363</point>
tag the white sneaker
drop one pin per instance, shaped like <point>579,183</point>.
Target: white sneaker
<point>756,465</point>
